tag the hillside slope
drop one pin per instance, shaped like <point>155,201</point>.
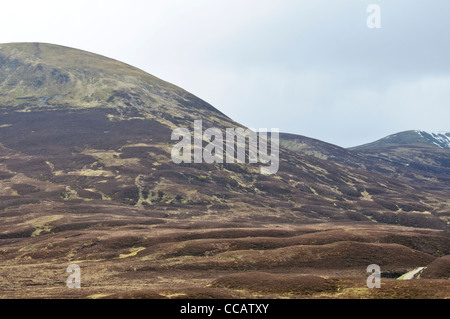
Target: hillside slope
<point>77,127</point>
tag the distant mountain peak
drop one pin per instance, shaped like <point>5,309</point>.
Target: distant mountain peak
<point>410,138</point>
<point>440,139</point>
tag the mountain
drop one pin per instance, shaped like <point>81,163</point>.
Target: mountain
<point>80,127</point>
<point>424,157</point>
<point>87,177</point>
<point>410,138</point>
<point>413,157</point>
<point>38,76</point>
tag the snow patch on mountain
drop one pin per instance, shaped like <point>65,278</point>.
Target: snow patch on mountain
<point>441,139</point>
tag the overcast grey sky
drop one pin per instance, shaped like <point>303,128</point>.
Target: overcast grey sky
<point>307,67</point>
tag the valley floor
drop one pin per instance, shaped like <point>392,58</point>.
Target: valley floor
<point>202,259</point>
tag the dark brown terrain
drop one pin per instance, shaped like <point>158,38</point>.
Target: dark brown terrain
<point>86,178</point>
